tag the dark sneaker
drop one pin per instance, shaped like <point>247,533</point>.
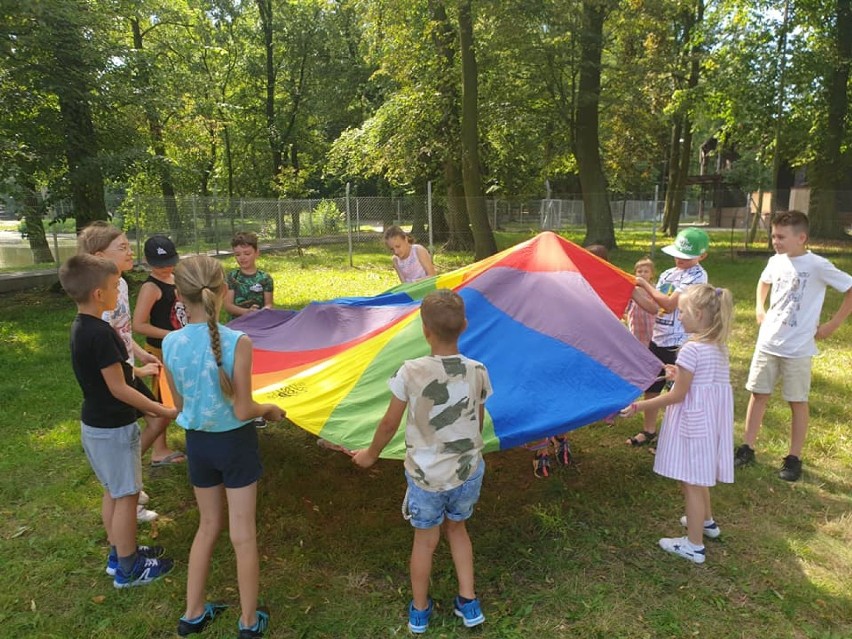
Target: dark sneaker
<point>470,612</point>
<point>743,456</point>
<point>144,571</point>
<point>541,465</point>
<point>791,468</point>
<point>258,628</point>
<point>154,552</point>
<point>188,627</point>
<point>418,620</point>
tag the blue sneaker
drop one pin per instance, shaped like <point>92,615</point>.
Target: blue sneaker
<point>258,628</point>
<point>154,552</point>
<point>418,620</point>
<point>144,571</point>
<point>470,613</point>
<point>188,627</point>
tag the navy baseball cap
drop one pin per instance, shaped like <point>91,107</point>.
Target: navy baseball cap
<point>160,251</point>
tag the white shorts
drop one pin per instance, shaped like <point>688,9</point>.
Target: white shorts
<point>795,373</point>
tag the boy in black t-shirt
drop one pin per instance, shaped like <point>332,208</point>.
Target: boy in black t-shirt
<point>109,432</point>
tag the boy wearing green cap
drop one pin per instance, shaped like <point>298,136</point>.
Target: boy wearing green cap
<point>689,249</point>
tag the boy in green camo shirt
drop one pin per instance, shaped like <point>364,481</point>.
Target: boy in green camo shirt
<point>249,289</point>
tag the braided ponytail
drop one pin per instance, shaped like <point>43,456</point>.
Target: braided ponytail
<point>201,280</point>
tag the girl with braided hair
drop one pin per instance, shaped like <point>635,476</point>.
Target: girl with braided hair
<point>209,373</point>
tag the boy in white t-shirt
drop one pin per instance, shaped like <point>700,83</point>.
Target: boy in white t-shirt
<point>445,393</point>
<point>786,343</point>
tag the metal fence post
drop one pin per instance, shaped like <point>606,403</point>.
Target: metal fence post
<point>349,223</point>
<point>195,222</point>
<point>654,219</point>
<point>429,215</point>
<point>138,241</point>
<point>280,223</point>
<point>358,217</point>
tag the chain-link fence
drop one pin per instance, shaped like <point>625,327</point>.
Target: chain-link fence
<point>207,224</point>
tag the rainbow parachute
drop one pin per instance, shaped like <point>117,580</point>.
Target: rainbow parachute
<point>543,316</point>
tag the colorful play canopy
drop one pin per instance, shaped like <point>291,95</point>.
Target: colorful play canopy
<point>543,316</point>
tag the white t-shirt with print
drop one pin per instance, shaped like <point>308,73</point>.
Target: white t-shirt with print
<point>668,330</point>
<point>795,302</point>
<point>119,319</point>
<point>442,437</point>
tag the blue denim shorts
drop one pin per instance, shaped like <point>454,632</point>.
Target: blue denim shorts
<point>427,509</point>
<point>116,457</point>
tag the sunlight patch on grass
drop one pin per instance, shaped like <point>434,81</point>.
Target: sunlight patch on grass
<point>64,435</point>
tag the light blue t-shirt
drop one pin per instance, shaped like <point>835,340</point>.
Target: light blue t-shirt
<point>189,358</point>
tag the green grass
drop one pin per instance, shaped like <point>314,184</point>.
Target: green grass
<point>574,555</point>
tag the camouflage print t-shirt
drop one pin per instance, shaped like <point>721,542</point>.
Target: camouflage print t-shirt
<point>249,289</point>
<point>442,437</point>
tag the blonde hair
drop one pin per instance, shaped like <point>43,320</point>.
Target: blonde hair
<point>97,237</point>
<point>442,312</point>
<point>83,274</point>
<point>645,261</point>
<point>717,308</point>
<point>200,280</point>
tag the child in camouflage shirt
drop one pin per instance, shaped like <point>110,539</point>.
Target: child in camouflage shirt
<point>249,289</point>
<point>445,393</point>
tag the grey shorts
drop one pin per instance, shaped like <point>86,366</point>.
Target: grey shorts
<point>795,374</point>
<point>115,455</point>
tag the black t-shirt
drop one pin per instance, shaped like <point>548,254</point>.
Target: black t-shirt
<point>94,346</point>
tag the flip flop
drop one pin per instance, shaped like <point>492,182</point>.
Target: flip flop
<point>171,459</point>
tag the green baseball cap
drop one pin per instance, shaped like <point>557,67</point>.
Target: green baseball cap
<point>689,244</point>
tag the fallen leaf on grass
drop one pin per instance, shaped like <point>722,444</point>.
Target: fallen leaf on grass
<point>20,531</point>
<point>98,599</point>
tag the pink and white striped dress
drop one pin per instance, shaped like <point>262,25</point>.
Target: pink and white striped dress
<point>696,442</point>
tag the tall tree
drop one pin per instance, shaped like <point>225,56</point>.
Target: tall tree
<point>483,237</point>
<point>831,163</point>
<point>70,75</point>
<point>443,38</point>
<point>599,226</point>
<point>145,76</point>
<point>680,150</point>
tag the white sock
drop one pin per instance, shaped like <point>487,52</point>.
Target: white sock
<point>693,546</point>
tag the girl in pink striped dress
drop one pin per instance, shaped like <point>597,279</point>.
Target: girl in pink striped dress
<point>696,443</point>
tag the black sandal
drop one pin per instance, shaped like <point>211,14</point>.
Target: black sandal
<point>648,438</point>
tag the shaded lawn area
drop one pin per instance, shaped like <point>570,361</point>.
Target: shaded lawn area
<point>574,555</point>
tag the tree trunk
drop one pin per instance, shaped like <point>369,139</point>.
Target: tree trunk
<point>265,9</point>
<point>599,226</point>
<point>458,223</point>
<point>677,181</point>
<point>155,128</point>
<point>829,169</point>
<point>34,223</point>
<point>483,238</point>
<point>81,145</point>
<point>682,143</point>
